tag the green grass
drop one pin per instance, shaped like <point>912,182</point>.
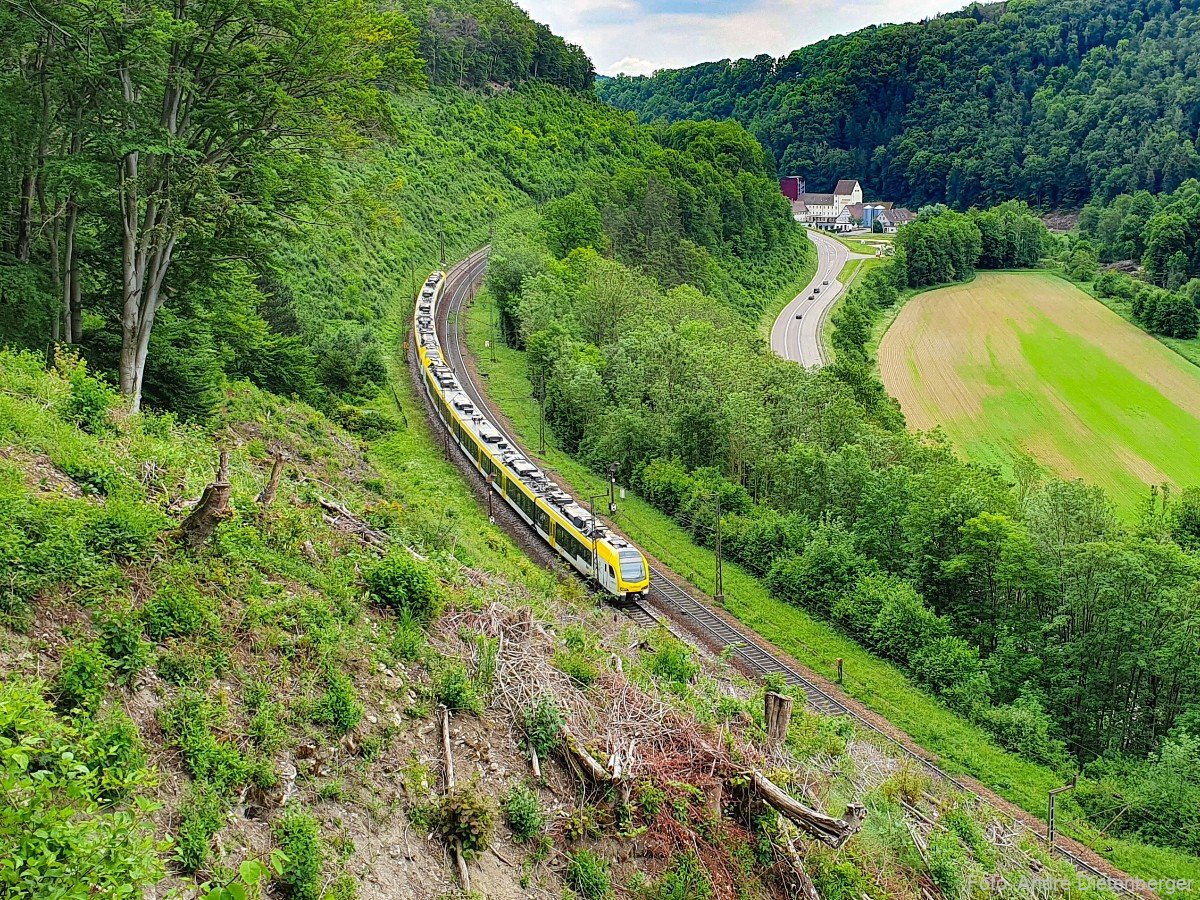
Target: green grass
<point>1048,373</point>
<point>861,244</point>
<point>1188,348</point>
<point>962,747</point>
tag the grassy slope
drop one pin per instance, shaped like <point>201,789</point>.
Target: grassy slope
<point>1042,374</point>
<point>803,275</point>
<point>962,747</point>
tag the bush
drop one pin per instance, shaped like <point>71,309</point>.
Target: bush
<point>523,813</point>
<point>665,483</point>
<point>541,722</point>
<point>465,815</point>
<point>404,584</point>
<point>577,665</point>
<point>190,721</point>
<point>82,677</point>
<point>947,864</point>
<point>951,668</point>
<point>58,812</point>
<point>589,876</point>
<point>200,818</point>
<point>685,880</point>
<point>1025,727</point>
<point>123,529</point>
<point>674,661</point>
<point>298,836</point>
<point>814,579</point>
<point>90,399</point>
<point>905,624</point>
<point>121,639</point>
<point>339,708</point>
<point>179,611</point>
<point>455,689</point>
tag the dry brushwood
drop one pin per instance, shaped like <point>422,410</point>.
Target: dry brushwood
<point>337,516</point>
<point>636,734</point>
<point>211,510</point>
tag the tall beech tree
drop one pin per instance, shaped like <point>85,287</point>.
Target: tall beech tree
<point>165,128</point>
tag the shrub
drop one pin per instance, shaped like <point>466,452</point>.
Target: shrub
<point>814,579</point>
<point>190,722</point>
<point>674,661</point>
<point>402,583</point>
<point>523,813</point>
<point>201,817</point>
<point>120,633</point>
<point>947,864</point>
<point>589,876</point>
<point>665,483</point>
<point>541,722</point>
<point>82,677</point>
<point>122,529</point>
<point>951,668</point>
<point>298,836</point>
<point>905,624</point>
<point>1025,727</point>
<point>465,816</point>
<point>578,666</point>
<point>179,611</point>
<point>455,689</point>
<point>651,799</point>
<point>339,708</point>
<point>409,637</point>
<point>90,399</point>
<point>685,880</point>
<point>57,813</point>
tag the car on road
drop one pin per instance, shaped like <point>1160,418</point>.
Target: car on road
<point>799,315</point>
<point>816,290</point>
<point>826,281</point>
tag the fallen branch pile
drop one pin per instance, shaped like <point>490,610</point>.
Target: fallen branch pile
<point>632,735</point>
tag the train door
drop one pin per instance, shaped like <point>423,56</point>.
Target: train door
<point>606,575</point>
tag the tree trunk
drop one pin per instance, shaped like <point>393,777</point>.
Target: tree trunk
<point>827,829</point>
<point>70,286</point>
<point>778,711</point>
<point>25,216</point>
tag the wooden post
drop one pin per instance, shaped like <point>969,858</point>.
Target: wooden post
<point>777,709</point>
<point>839,670</point>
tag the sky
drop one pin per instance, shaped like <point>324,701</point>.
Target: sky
<point>638,36</point>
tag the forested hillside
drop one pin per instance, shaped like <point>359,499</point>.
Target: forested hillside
<point>1051,102</point>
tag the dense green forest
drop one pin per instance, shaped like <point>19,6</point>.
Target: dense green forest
<point>180,255</point>
<point>1051,102</point>
<point>1030,608</point>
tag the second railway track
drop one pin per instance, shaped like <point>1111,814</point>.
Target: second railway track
<point>695,616</point>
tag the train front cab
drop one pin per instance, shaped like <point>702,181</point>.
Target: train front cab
<point>633,576</point>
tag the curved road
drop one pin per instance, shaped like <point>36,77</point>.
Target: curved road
<point>800,339</point>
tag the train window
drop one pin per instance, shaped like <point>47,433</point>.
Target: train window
<point>632,567</point>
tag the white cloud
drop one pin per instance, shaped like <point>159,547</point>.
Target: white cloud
<point>639,36</point>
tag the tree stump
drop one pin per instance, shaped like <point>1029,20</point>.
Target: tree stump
<point>212,509</point>
<point>777,709</point>
<point>267,497</point>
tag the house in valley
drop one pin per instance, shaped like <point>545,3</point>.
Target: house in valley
<point>893,219</point>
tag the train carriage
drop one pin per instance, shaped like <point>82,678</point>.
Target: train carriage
<point>610,561</point>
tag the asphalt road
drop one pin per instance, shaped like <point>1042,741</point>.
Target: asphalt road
<point>800,339</point>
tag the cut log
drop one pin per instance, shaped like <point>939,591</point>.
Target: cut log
<point>778,711</point>
<point>581,759</point>
<point>212,509</point>
<point>824,828</point>
<point>447,755</point>
<point>267,497</point>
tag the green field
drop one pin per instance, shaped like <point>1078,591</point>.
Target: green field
<point>1013,365</point>
<point>961,746</point>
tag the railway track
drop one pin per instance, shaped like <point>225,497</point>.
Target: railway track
<point>462,281</point>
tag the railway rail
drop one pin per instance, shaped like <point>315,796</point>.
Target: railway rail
<point>697,617</point>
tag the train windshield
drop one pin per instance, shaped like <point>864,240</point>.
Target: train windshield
<point>632,567</point>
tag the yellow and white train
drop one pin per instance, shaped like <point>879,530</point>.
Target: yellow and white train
<point>584,542</point>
